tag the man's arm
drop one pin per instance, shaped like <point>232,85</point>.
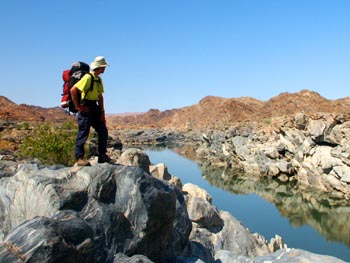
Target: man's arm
<point>101,103</point>
<point>74,92</point>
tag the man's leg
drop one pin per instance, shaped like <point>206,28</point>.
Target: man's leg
<point>102,139</point>
<point>102,133</point>
<point>83,134</point>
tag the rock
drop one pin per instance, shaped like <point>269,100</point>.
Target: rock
<point>306,148</point>
<point>118,213</point>
<point>300,121</point>
<point>196,191</point>
<point>323,159</point>
<point>276,243</point>
<point>40,191</point>
<point>188,260</point>
<point>225,256</point>
<point>231,236</point>
<point>285,167</point>
<point>64,238</point>
<point>124,209</point>
<point>339,134</point>
<point>161,172</point>
<point>121,258</point>
<point>202,212</point>
<point>135,157</point>
<point>281,256</point>
<point>316,129</point>
<point>271,152</point>
<point>147,211</point>
<point>343,173</point>
<point>7,168</point>
<point>154,136</point>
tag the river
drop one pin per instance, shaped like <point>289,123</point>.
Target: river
<point>303,221</point>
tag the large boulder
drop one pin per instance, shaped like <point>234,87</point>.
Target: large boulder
<point>63,238</point>
<point>214,230</point>
<point>123,209</point>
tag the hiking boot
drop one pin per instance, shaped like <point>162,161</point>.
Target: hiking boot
<point>83,162</point>
<point>104,159</point>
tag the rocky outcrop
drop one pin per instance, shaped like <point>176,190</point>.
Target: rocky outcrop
<point>156,137</point>
<point>116,213</point>
<point>310,150</point>
<point>115,209</point>
<point>218,230</point>
<point>281,256</point>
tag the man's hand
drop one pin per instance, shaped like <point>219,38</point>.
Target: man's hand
<point>83,108</point>
<point>75,93</point>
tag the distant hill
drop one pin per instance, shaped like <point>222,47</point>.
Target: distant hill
<point>216,111</point>
<point>210,111</point>
<point>10,111</point>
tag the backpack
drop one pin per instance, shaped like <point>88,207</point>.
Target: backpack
<point>70,77</point>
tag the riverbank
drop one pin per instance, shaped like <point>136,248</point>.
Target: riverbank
<point>312,151</point>
<point>305,220</point>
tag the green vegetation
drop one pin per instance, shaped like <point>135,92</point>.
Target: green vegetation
<point>51,144</point>
<point>23,125</point>
<point>267,121</point>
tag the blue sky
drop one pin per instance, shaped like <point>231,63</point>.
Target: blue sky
<point>167,54</point>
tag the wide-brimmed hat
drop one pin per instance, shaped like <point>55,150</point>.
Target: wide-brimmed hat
<point>99,62</point>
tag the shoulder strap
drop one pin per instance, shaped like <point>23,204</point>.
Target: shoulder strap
<point>93,80</point>
<point>91,83</point>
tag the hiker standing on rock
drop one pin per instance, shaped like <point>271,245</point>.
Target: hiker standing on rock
<point>91,111</point>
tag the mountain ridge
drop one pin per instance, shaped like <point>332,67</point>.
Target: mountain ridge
<point>210,111</point>
<point>213,111</point>
<point>10,111</point>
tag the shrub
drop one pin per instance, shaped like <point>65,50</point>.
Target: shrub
<point>267,121</point>
<point>23,125</point>
<point>51,144</point>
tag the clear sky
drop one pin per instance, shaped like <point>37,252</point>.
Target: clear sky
<point>167,54</point>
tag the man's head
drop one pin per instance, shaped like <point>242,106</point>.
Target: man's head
<point>99,64</point>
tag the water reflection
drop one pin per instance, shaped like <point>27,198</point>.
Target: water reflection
<point>303,218</point>
<point>329,216</point>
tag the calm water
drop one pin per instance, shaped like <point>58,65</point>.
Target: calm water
<point>265,217</point>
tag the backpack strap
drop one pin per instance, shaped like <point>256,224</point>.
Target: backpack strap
<point>92,82</point>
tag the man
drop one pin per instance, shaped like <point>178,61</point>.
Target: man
<point>91,111</point>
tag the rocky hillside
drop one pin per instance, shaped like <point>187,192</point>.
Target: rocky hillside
<point>211,111</point>
<point>12,112</point>
<point>216,111</point>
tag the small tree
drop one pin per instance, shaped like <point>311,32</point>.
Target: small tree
<point>51,144</point>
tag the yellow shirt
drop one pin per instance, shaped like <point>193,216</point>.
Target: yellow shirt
<point>84,85</point>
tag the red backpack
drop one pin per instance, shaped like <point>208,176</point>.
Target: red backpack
<point>70,77</point>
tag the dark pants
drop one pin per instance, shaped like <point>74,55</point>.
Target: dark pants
<point>87,120</point>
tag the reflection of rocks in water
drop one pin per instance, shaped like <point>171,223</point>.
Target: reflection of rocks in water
<point>329,216</point>
<point>152,136</point>
<point>186,150</point>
